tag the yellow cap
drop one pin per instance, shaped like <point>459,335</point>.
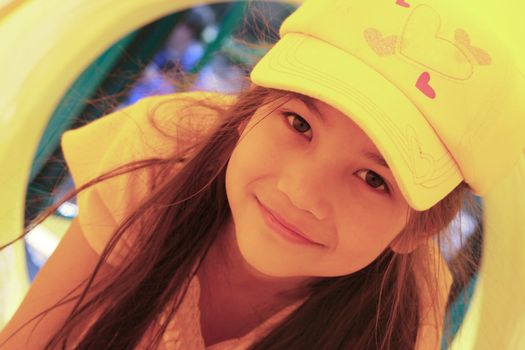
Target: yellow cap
<point>432,86</point>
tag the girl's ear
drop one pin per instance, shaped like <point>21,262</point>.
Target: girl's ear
<point>404,245</point>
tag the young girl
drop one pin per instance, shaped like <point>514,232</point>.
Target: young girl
<point>298,214</point>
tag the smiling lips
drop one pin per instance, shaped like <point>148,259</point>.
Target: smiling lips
<point>285,229</point>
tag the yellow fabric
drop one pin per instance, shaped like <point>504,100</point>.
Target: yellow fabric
<point>430,82</point>
<point>119,138</point>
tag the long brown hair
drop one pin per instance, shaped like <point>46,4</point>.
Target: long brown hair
<point>374,308</point>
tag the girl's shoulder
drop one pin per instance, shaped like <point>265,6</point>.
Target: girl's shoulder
<point>184,116</point>
<point>153,128</point>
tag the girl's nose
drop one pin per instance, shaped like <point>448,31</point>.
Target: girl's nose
<point>307,189</point>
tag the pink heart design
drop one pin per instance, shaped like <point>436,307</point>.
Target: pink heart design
<point>423,85</point>
<point>402,3</point>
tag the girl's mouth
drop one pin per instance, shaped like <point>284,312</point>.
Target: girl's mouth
<point>281,228</point>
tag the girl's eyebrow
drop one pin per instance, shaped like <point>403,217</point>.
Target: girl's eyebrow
<point>376,158</point>
<point>311,107</point>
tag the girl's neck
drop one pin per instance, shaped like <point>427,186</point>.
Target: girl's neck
<point>230,269</point>
<point>233,290</point>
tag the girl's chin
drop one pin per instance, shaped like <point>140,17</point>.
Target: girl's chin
<point>264,265</point>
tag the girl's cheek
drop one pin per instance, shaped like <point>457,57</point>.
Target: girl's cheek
<point>371,227</point>
<point>284,140</point>
<point>275,141</point>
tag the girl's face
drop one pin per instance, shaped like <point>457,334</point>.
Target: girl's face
<point>317,170</point>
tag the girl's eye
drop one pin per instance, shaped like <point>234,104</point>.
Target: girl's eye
<point>297,122</point>
<point>374,180</point>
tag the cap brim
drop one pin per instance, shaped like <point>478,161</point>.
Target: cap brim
<point>423,168</point>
